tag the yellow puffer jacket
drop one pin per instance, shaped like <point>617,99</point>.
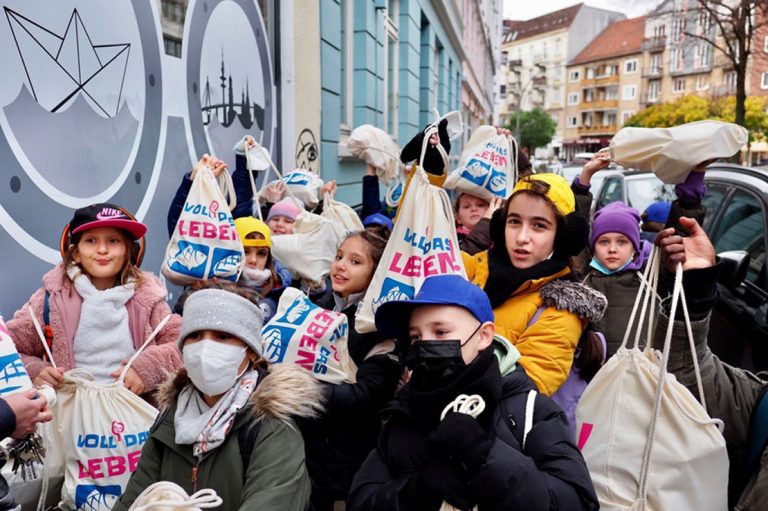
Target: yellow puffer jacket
<point>547,345</point>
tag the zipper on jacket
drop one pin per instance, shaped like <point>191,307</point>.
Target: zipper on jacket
<point>194,477</point>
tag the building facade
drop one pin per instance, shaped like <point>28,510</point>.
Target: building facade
<point>534,55</point>
<point>387,63</point>
<point>603,87</point>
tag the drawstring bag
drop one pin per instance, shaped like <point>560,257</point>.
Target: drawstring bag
<point>169,496</point>
<point>304,185</point>
<point>423,243</point>
<point>671,153</point>
<point>374,146</point>
<point>205,243</point>
<point>309,336</point>
<point>488,166</point>
<point>309,251</point>
<point>257,159</point>
<point>648,443</point>
<point>98,432</point>
<point>341,213</point>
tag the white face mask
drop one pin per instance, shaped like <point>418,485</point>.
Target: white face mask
<point>254,278</point>
<point>213,366</point>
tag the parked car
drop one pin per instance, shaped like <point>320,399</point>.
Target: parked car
<point>639,189</point>
<point>737,220</point>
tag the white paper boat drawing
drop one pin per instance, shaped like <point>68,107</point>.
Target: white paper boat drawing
<point>273,343</point>
<point>297,311</point>
<point>477,169</point>
<point>228,266</point>
<point>394,294</point>
<point>498,182</point>
<point>188,258</point>
<point>58,67</point>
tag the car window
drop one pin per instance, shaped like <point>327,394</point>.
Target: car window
<point>611,191</point>
<point>712,202</point>
<point>642,192</point>
<point>743,228</point>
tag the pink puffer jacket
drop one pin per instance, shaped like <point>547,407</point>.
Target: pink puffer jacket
<point>145,310</point>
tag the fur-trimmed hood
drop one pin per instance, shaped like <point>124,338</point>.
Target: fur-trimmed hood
<point>284,392</point>
<point>574,297</point>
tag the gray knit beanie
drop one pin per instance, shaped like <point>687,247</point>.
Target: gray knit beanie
<point>217,309</point>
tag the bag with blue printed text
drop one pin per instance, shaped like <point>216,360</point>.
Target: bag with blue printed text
<point>205,243</point>
<point>309,336</point>
<point>488,166</point>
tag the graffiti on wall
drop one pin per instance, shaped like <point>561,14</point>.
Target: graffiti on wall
<point>307,154</point>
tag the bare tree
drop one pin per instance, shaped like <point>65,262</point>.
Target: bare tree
<point>737,23</point>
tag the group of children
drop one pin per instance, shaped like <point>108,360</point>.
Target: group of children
<point>521,330</point>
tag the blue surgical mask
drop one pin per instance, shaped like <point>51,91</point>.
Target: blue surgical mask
<point>605,271</point>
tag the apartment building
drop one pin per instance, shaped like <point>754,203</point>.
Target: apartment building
<point>603,87</point>
<point>534,55</point>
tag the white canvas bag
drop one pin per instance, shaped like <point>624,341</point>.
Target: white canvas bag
<point>488,166</point>
<point>309,336</point>
<point>671,153</point>
<point>651,446</point>
<point>304,185</point>
<point>205,243</point>
<point>423,243</point>
<point>374,146</point>
<point>341,213</point>
<point>97,433</point>
<point>309,251</point>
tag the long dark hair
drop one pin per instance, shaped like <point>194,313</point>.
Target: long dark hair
<point>376,244</point>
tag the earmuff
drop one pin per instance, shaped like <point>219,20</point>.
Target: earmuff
<point>137,249</point>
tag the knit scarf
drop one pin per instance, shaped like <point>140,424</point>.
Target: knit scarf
<point>504,279</point>
<point>103,338</point>
<point>207,427</point>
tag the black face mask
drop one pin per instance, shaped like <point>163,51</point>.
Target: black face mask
<point>435,362</point>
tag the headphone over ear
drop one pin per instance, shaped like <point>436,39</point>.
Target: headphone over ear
<point>137,250</point>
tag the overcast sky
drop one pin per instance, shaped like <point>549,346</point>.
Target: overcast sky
<point>527,9</point>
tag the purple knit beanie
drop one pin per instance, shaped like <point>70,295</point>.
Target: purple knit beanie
<point>286,207</point>
<point>617,217</point>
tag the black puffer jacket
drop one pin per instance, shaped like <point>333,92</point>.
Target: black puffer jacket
<point>549,473</point>
<point>338,442</point>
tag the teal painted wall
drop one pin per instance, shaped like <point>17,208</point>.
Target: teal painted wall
<point>420,34</point>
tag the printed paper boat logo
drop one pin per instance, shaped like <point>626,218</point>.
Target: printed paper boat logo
<point>59,66</point>
<point>297,312</point>
<point>391,291</point>
<point>275,342</point>
<point>226,263</point>
<point>498,183</point>
<point>90,497</point>
<point>190,256</point>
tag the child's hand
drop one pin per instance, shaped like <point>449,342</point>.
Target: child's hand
<point>599,161</point>
<point>218,167</point>
<point>205,161</point>
<point>274,192</point>
<point>503,131</point>
<point>49,376</point>
<point>250,142</point>
<point>496,203</point>
<point>133,381</point>
<point>370,171</point>
<point>329,188</point>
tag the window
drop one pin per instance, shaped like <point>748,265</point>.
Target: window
<point>172,46</point>
<point>764,81</point>
<point>658,31</point>
<point>572,122</point>
<point>589,95</point>
<point>729,80</point>
<point>573,76</point>
<point>590,73</point>
<point>703,55</point>
<point>611,191</point>
<point>504,58</point>
<point>630,92</point>
<point>678,27</point>
<point>656,63</point>
<point>654,88</point>
<point>503,91</point>
<point>712,201</point>
<point>742,228</point>
<point>702,83</point>
<point>391,70</point>
<point>573,98</point>
<point>347,67</point>
<point>557,97</point>
<point>555,117</point>
<point>612,93</point>
<point>610,119</point>
<point>679,85</point>
<point>630,66</point>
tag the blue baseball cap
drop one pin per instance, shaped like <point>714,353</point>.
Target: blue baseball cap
<point>393,318</point>
<point>657,212</point>
<point>378,219</point>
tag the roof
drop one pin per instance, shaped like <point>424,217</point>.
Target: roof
<point>624,37</point>
<point>547,23</point>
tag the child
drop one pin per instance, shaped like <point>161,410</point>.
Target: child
<point>282,215</point>
<point>226,421</point>
<point>473,217</point>
<point>262,273</point>
<point>492,461</point>
<point>619,254</point>
<point>101,306</point>
<point>527,277</point>
<point>340,440</point>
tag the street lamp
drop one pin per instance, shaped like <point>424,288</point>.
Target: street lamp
<point>539,79</point>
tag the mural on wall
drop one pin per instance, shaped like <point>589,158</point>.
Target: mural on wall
<point>84,115</point>
<point>307,154</point>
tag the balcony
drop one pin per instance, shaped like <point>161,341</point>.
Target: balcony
<point>655,44</point>
<point>691,70</point>
<point>600,81</point>
<point>602,104</point>
<point>652,72</point>
<point>724,90</point>
<point>603,129</point>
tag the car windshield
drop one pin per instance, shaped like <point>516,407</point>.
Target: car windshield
<point>642,191</point>
<point>570,172</point>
